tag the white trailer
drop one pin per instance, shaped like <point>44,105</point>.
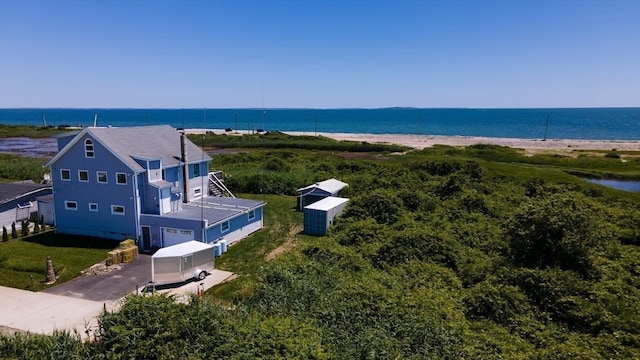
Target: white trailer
<point>181,262</point>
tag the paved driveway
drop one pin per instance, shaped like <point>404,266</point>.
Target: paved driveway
<point>108,287</point>
<point>76,303</point>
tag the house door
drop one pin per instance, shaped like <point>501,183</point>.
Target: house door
<point>146,238</point>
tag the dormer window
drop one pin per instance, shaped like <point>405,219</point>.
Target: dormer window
<point>88,149</point>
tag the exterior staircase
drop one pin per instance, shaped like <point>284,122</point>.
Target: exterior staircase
<point>216,185</point>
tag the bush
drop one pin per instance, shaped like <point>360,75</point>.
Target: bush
<point>558,231</point>
<point>381,205</point>
<point>5,235</point>
<point>503,304</point>
<point>417,244</point>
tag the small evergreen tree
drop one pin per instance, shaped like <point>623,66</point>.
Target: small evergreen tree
<point>42,225</point>
<point>25,228</point>
<point>14,232</point>
<point>5,235</point>
<point>36,227</point>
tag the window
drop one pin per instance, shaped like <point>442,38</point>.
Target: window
<point>102,177</point>
<point>196,170</point>
<point>65,174</point>
<point>185,232</point>
<point>197,192</point>
<point>251,215</point>
<point>71,205</point>
<point>83,175</point>
<point>224,227</point>
<point>117,209</point>
<point>93,207</point>
<point>121,178</point>
<point>88,149</point>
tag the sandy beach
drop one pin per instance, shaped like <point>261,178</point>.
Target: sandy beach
<point>423,141</point>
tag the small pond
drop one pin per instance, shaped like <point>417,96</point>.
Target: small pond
<point>626,185</point>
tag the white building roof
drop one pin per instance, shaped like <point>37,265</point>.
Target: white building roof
<point>331,186</point>
<point>327,203</point>
<point>184,248</point>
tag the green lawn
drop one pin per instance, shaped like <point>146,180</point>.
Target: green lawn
<point>245,258</point>
<point>23,261</point>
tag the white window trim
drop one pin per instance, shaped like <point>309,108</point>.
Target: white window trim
<point>80,178</point>
<point>251,215</point>
<point>116,212</point>
<point>197,192</point>
<point>66,205</point>
<point>222,230</point>
<point>92,151</point>
<point>125,178</point>
<point>62,178</point>
<point>94,210</point>
<point>106,175</point>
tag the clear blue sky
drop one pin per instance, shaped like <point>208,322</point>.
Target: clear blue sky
<point>322,54</point>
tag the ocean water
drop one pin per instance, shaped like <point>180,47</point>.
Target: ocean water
<point>572,123</point>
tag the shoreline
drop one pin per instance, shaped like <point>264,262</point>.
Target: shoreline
<point>423,141</point>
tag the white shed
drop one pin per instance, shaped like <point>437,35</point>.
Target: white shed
<point>319,215</point>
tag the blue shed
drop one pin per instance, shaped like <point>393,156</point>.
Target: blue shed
<point>319,215</point>
<point>318,191</point>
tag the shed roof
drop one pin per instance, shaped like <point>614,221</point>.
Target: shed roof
<point>45,198</point>
<point>181,249</point>
<point>152,142</point>
<point>12,191</point>
<point>331,186</point>
<point>327,203</point>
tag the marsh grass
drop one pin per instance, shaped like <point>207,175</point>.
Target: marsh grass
<point>7,131</point>
<point>278,140</point>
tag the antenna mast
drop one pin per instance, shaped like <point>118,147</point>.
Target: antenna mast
<point>546,128</point>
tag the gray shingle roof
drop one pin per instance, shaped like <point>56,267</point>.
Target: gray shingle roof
<point>12,191</point>
<point>150,142</point>
<point>147,142</point>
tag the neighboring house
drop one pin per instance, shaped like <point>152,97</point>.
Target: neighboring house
<point>318,217</point>
<point>318,191</point>
<point>46,209</point>
<point>147,183</point>
<point>18,201</point>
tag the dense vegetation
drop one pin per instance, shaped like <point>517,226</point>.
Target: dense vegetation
<point>14,168</point>
<point>441,254</point>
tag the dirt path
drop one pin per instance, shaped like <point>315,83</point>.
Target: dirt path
<point>288,242</point>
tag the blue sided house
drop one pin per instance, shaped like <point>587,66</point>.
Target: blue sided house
<point>148,183</point>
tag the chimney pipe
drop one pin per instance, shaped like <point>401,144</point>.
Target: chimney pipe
<point>185,167</point>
